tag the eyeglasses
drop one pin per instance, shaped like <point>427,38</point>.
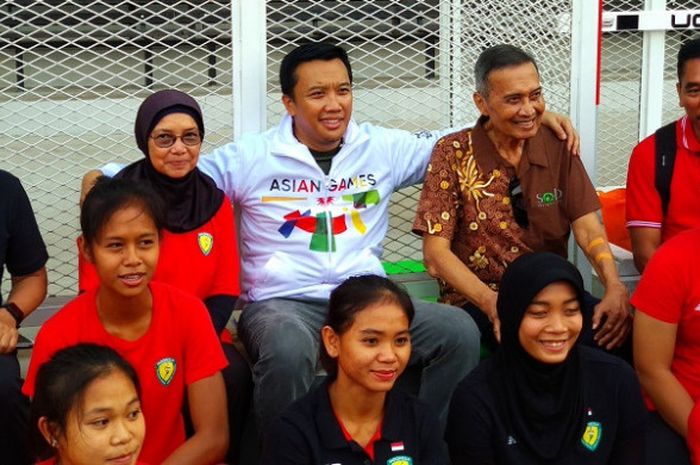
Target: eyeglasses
<point>166,140</point>
<point>517,202</point>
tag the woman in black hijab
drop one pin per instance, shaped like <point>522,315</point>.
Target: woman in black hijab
<point>198,248</point>
<point>170,163</point>
<point>543,398</point>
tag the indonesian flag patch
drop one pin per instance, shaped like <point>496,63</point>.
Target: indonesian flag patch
<point>397,446</point>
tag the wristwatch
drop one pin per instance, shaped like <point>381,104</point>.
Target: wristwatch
<point>15,311</point>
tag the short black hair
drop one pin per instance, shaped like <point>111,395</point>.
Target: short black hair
<point>109,195</point>
<point>61,383</point>
<point>309,52</point>
<point>354,295</point>
<point>495,58</point>
<point>690,50</point>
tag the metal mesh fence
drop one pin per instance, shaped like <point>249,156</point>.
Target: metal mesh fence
<point>72,74</point>
<point>621,71</point>
<point>618,113</point>
<point>412,64</point>
<point>623,5</point>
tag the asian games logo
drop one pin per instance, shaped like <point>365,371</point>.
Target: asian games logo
<point>334,214</point>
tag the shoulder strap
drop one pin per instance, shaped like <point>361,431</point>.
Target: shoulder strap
<point>663,162</point>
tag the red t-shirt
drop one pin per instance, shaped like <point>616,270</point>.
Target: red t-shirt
<point>203,262</point>
<point>669,291</point>
<point>643,202</point>
<point>178,349</point>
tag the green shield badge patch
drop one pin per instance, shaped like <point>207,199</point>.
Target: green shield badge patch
<point>591,436</point>
<point>206,242</point>
<point>165,370</point>
<point>400,460</point>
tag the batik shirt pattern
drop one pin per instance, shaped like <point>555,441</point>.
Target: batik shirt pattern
<point>471,208</point>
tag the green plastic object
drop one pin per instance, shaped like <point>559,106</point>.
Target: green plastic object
<point>403,266</point>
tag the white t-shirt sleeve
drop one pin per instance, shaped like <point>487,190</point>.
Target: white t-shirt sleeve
<point>111,169</point>
<point>410,153</point>
<point>223,165</point>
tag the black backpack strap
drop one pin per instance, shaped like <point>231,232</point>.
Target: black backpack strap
<point>663,162</point>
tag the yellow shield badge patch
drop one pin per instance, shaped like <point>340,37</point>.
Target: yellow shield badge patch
<point>591,436</point>
<point>165,370</point>
<point>206,242</point>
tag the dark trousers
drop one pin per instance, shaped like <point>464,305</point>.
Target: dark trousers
<point>663,444</point>
<point>14,414</point>
<point>239,392</point>
<point>488,340</point>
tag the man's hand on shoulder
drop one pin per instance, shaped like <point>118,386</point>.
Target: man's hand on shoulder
<point>613,312</point>
<point>564,129</point>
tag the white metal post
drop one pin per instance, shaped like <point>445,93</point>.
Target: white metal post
<point>584,79</point>
<point>444,55</point>
<point>456,58</point>
<point>651,98</point>
<point>249,66</point>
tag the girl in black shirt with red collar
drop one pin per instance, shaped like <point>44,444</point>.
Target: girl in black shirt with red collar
<point>356,417</point>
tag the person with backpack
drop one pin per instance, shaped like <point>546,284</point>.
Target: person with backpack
<point>664,169</point>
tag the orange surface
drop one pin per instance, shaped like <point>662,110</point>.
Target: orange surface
<point>613,207</point>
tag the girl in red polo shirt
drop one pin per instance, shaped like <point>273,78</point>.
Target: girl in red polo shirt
<point>198,251</point>
<point>86,408</point>
<point>165,333</point>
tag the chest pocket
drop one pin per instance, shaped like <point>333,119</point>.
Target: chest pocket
<point>549,226</point>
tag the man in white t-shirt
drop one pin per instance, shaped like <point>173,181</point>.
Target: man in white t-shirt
<point>313,197</point>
